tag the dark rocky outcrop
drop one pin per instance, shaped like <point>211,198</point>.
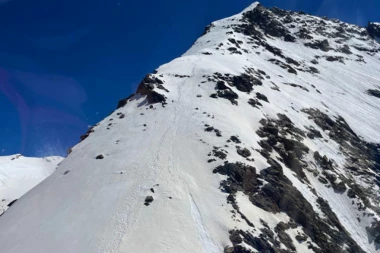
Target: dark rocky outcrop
<point>148,200</point>
<point>235,139</point>
<point>146,87</point>
<point>244,82</point>
<point>263,18</point>
<point>279,195</point>
<point>374,231</point>
<point>304,33</point>
<point>291,151</point>
<point>219,153</point>
<point>212,129</point>
<point>313,133</point>
<point>319,44</point>
<point>99,157</point>
<point>334,58</point>
<point>207,29</point>
<point>254,102</point>
<point>244,152</point>
<point>241,177</point>
<point>83,137</point>
<point>283,65</point>
<point>12,202</point>
<point>124,101</point>
<point>375,93</point>
<point>226,94</point>
<point>283,236</point>
<point>345,49</point>
<point>221,85</point>
<point>297,85</point>
<point>358,153</point>
<point>373,29</point>
<point>262,97</point>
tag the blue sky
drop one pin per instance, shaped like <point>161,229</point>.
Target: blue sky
<point>65,64</point>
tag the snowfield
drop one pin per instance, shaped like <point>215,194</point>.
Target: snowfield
<point>171,150</point>
<point>19,174</point>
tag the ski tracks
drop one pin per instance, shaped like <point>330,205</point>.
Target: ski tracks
<point>208,245</point>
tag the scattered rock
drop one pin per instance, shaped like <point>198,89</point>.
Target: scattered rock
<point>261,97</point>
<point>375,93</point>
<point>12,202</point>
<point>100,157</point>
<point>124,101</point>
<point>83,137</point>
<point>148,200</point>
<point>243,152</point>
<point>323,45</point>
<point>254,102</point>
<point>298,86</point>
<point>335,58</point>
<point>235,139</point>
<point>283,65</point>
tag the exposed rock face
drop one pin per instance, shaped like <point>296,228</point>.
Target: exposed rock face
<point>147,86</point>
<point>375,93</point>
<point>244,152</point>
<point>374,29</point>
<point>374,231</point>
<point>241,177</point>
<point>124,101</point>
<point>262,18</point>
<point>322,45</point>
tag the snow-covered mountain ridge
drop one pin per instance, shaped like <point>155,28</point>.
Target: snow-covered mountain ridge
<point>19,174</point>
<point>263,137</point>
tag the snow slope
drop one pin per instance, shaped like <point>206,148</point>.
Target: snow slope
<point>19,174</point>
<point>172,141</point>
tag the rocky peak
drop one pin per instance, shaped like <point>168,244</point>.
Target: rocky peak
<point>374,29</point>
<point>294,26</point>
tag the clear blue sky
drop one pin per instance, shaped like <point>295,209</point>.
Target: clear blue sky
<point>65,64</point>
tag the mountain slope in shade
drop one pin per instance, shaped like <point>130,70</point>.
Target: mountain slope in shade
<point>19,174</point>
<point>262,137</point>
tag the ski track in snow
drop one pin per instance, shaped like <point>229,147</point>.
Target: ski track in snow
<point>205,239</point>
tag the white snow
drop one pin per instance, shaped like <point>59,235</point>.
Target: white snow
<point>98,206</point>
<point>19,174</point>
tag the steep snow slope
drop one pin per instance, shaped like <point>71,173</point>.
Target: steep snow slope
<point>19,174</point>
<point>263,137</point>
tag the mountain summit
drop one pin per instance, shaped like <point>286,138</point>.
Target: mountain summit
<point>263,137</point>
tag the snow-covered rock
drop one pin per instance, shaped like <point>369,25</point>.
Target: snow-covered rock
<point>374,29</point>
<point>19,174</point>
<point>263,137</point>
